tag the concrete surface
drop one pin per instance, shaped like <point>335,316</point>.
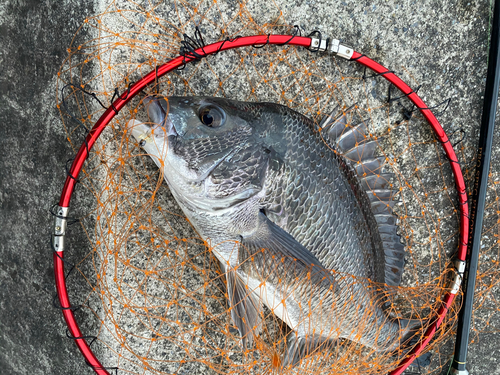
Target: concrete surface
<point>442,43</point>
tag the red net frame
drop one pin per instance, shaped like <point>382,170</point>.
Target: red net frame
<point>214,48</point>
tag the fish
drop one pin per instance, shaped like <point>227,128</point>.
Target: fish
<point>299,215</point>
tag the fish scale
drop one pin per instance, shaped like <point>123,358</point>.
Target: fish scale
<point>289,219</point>
<point>348,252</point>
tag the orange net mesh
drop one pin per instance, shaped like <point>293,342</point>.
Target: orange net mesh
<point>151,290</point>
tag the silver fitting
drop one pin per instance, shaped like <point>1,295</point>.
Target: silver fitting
<point>58,242</point>
<point>61,222</point>
<point>332,46</point>
<point>340,49</point>
<point>319,44</point>
<point>459,275</point>
<point>458,372</point>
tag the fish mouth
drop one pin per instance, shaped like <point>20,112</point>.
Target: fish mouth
<point>159,115</point>
<point>144,132</point>
<point>140,131</point>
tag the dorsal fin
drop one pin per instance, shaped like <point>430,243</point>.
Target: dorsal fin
<point>368,166</point>
<point>331,126</point>
<point>352,137</point>
<point>376,197</point>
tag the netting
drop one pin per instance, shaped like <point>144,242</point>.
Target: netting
<point>153,297</point>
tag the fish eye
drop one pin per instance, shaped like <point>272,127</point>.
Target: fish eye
<point>212,116</point>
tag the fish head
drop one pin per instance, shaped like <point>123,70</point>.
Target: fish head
<point>210,149</point>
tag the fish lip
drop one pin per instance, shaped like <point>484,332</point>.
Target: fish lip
<point>171,131</point>
<point>167,121</point>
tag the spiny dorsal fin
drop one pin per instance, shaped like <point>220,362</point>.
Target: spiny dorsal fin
<point>332,126</point>
<point>380,181</point>
<point>368,166</point>
<point>380,195</point>
<point>358,152</point>
<point>352,137</point>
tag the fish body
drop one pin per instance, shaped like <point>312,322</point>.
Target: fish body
<point>299,217</point>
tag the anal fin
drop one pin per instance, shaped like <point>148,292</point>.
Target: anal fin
<point>300,347</point>
<point>246,310</point>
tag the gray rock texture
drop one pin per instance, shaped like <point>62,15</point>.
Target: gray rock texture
<point>441,44</point>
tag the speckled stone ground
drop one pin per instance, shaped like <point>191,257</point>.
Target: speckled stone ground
<point>442,43</point>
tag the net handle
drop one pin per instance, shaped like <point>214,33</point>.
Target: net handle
<point>214,48</point>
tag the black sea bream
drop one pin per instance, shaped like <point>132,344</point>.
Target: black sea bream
<point>303,227</point>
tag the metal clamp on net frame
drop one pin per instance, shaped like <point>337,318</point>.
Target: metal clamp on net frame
<point>60,225</point>
<point>456,282</point>
<point>333,46</point>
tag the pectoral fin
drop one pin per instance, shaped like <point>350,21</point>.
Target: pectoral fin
<point>269,241</point>
<point>271,237</point>
<point>246,310</point>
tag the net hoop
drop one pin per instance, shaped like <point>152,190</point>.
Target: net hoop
<point>181,60</point>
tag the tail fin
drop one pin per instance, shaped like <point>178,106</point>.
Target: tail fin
<point>414,331</point>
